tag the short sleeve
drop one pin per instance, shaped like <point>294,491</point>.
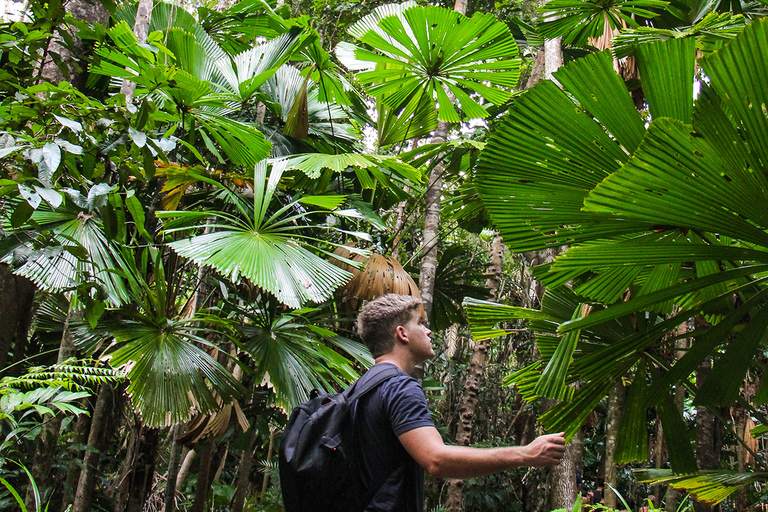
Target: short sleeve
<point>406,405</point>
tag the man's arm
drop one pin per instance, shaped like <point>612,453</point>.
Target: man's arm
<point>426,446</point>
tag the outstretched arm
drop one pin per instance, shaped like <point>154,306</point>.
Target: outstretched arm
<point>426,446</point>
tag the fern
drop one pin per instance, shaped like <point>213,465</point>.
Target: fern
<point>71,375</point>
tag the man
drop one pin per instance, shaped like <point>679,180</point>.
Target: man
<point>396,438</point>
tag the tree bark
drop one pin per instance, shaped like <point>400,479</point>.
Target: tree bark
<point>185,467</point>
<point>562,480</point>
<point>244,472</point>
<point>17,296</point>
<point>739,415</point>
<point>616,399</point>
<point>134,479</point>
<point>203,477</point>
<point>42,462</point>
<point>79,437</point>
<point>173,472</point>
<point>141,31</point>
<point>537,70</point>
<point>143,469</point>
<point>72,72</point>
<point>706,438</point>
<point>432,225</point>
<point>461,6</point>
<point>96,441</point>
<point>475,373</point>
<point>270,449</point>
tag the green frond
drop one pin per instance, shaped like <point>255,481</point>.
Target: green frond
<point>424,51</point>
<point>711,487</point>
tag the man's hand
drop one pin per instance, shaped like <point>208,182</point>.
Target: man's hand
<point>546,450</point>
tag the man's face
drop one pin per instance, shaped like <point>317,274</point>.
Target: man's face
<point>418,335</point>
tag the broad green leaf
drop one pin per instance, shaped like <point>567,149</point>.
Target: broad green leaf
<point>668,69</point>
<point>739,77</point>
<point>552,382</point>
<point>711,487</point>
<point>430,50</point>
<point>681,456</point>
<point>591,80</point>
<point>672,165</point>
<point>724,382</point>
<point>632,439</point>
<point>578,21</point>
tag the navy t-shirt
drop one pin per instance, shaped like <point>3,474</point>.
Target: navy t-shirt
<point>395,407</point>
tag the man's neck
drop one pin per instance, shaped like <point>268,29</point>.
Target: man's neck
<point>400,362</point>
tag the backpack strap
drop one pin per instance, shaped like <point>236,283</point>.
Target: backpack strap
<point>358,390</point>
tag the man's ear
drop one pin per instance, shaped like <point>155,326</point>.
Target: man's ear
<point>401,334</point>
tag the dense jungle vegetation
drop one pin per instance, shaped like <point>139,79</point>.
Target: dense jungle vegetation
<point>196,198</point>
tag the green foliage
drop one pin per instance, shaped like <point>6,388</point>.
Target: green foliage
<point>711,487</point>
<point>578,21</point>
<point>170,375</point>
<point>43,392</point>
<point>35,492</point>
<point>430,52</point>
<point>294,354</point>
<point>261,246</point>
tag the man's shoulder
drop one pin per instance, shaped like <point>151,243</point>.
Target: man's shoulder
<point>401,381</point>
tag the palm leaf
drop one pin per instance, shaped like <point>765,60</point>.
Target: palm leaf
<point>244,73</point>
<point>170,376</point>
<point>263,250</point>
<point>291,354</point>
<point>166,16</point>
<point>365,166</point>
<point>81,253</point>
<point>711,487</point>
<point>578,21</point>
<point>710,34</point>
<point>431,50</point>
<point>242,144</point>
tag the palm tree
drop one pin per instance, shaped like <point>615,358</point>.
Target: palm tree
<point>670,213</point>
<point>427,57</point>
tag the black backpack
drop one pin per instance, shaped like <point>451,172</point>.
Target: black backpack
<point>318,472</point>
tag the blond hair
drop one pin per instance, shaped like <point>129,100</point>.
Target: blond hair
<point>378,320</point>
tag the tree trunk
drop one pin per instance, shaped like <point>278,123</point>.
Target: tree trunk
<point>141,31</point>
<point>72,72</point>
<point>173,471</point>
<point>739,415</point>
<point>120,485</point>
<point>475,373</point>
<point>432,225</point>
<point>562,482</point>
<point>17,295</point>
<point>143,469</point>
<point>553,57</point>
<point>134,479</point>
<point>706,438</point>
<point>270,449</point>
<point>203,477</point>
<point>616,399</point>
<point>185,467</point>
<point>42,462</point>
<point>96,441</point>
<point>673,496</point>
<point>537,70</point>
<point>79,437</point>
<point>244,472</point>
